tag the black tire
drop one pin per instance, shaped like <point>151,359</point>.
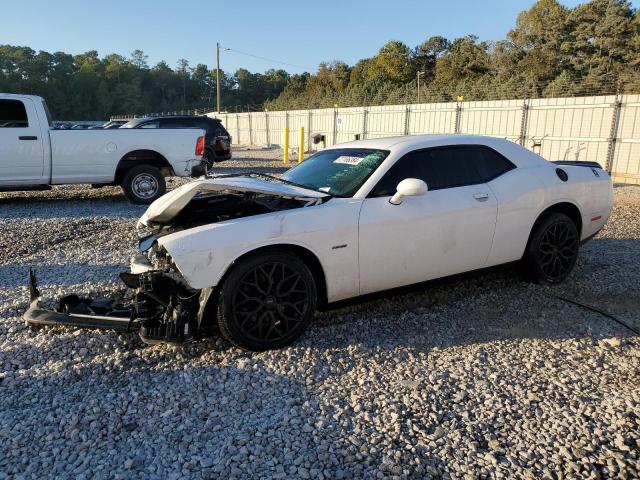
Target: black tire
<point>266,301</point>
<point>552,250</point>
<point>143,184</point>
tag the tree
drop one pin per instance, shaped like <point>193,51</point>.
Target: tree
<point>393,63</point>
<point>139,59</point>
<point>427,53</point>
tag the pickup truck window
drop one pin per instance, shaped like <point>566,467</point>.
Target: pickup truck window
<point>13,114</point>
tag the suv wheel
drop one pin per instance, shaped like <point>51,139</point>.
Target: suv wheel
<point>143,184</point>
<point>266,302</point>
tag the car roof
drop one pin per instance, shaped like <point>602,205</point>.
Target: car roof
<point>137,121</point>
<point>402,144</point>
<point>411,140</point>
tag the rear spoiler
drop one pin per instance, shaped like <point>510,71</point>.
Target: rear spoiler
<point>577,163</point>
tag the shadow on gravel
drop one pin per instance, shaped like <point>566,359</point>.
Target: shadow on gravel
<point>479,308</point>
<point>207,420</point>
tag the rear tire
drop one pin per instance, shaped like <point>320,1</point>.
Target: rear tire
<point>143,184</point>
<point>552,250</point>
<point>266,302</point>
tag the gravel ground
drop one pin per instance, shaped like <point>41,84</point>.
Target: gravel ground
<point>484,377</point>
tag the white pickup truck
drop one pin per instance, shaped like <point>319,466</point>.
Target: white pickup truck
<point>34,156</point>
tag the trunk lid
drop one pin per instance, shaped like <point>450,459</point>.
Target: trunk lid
<point>168,206</point>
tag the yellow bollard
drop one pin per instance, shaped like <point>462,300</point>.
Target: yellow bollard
<point>301,146</point>
<point>286,146</point>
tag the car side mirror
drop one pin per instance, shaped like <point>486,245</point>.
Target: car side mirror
<point>409,187</point>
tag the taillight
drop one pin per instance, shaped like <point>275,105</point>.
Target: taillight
<point>200,146</point>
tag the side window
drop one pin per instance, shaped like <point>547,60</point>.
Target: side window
<point>448,168</point>
<point>153,124</point>
<point>177,123</point>
<point>406,167</point>
<point>438,167</point>
<point>13,114</point>
<point>490,164</point>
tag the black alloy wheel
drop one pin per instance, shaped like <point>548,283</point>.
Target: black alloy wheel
<point>553,249</point>
<point>267,302</point>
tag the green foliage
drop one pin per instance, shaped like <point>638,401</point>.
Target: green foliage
<point>551,51</point>
<point>86,86</point>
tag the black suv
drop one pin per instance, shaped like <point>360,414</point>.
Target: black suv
<point>218,147</point>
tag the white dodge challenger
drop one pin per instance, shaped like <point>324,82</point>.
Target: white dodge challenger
<point>256,255</point>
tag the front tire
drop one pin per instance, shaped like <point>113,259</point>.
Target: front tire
<point>266,302</point>
<point>553,249</point>
<point>143,184</point>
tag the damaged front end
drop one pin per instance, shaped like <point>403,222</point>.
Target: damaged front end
<point>160,304</point>
<point>161,308</point>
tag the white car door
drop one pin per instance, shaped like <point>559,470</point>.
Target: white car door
<point>446,231</point>
<point>21,143</point>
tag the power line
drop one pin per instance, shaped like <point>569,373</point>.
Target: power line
<point>268,59</point>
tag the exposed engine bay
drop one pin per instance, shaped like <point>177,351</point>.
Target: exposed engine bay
<point>206,209</point>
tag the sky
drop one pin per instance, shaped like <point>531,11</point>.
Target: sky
<point>300,34</point>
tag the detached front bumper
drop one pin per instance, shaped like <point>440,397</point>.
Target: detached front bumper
<point>162,309</point>
<point>74,311</point>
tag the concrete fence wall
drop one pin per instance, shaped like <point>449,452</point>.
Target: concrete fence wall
<point>605,129</point>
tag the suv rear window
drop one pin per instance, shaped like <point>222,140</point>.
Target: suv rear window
<point>220,130</point>
<point>13,114</point>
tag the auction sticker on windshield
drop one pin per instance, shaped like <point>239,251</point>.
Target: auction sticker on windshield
<point>348,160</point>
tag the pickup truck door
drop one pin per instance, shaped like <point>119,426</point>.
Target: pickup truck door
<point>446,231</point>
<point>21,143</point>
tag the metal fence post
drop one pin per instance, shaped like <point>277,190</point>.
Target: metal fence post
<point>238,127</point>
<point>364,122</point>
<point>335,125</point>
<point>524,122</point>
<point>457,121</point>
<point>613,135</point>
<point>266,126</point>
<point>250,133</point>
<point>406,119</point>
<point>309,130</point>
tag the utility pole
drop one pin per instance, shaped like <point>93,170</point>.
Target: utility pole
<point>419,74</point>
<point>218,77</point>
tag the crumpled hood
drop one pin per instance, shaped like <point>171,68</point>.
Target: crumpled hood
<point>168,206</point>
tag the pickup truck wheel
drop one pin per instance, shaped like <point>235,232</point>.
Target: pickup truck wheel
<point>143,184</point>
<point>553,249</point>
<point>266,302</point>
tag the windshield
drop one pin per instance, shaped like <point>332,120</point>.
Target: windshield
<point>339,172</point>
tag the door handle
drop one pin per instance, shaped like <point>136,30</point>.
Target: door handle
<point>28,137</point>
<point>481,197</point>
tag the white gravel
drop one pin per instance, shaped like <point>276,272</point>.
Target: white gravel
<point>485,377</point>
